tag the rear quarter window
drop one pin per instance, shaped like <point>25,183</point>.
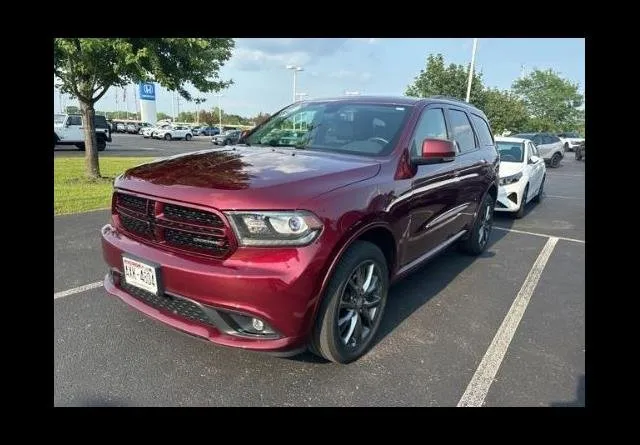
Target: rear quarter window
<point>482,130</point>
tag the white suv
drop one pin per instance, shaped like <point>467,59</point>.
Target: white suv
<point>571,140</point>
<point>550,147</point>
<point>68,129</point>
<point>173,133</point>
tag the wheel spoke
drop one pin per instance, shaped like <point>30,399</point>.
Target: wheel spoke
<point>367,319</point>
<point>346,318</point>
<point>357,330</point>
<point>352,327</point>
<point>369,276</point>
<point>372,303</point>
<point>347,305</point>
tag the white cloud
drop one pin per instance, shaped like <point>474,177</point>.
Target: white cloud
<point>253,54</point>
<point>255,59</point>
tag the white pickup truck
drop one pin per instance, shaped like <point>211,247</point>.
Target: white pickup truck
<point>68,130</point>
<point>570,140</point>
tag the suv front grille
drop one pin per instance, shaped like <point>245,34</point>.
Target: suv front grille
<point>172,225</point>
<point>178,306</point>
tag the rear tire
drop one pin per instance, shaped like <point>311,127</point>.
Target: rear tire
<point>167,137</point>
<point>566,147</point>
<point>555,160</point>
<point>187,137</point>
<point>347,323</point>
<point>478,239</point>
<point>102,144</point>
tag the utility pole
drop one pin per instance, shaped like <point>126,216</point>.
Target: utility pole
<point>473,61</point>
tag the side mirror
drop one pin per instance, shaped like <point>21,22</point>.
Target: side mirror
<point>435,151</point>
<point>534,159</point>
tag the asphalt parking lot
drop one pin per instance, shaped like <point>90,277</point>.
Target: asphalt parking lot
<point>135,145</point>
<point>504,329</point>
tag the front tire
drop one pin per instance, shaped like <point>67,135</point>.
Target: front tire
<point>187,137</point>
<point>520,213</point>
<point>555,160</point>
<point>353,305</point>
<point>478,240</point>
<point>167,137</point>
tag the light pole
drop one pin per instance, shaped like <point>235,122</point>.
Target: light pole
<point>219,95</point>
<point>473,61</point>
<point>295,69</point>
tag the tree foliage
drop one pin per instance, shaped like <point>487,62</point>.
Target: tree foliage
<point>542,101</point>
<point>505,111</point>
<point>438,79</point>
<point>87,68</point>
<point>551,101</point>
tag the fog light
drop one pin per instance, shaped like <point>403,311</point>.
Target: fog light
<point>247,324</point>
<point>258,325</point>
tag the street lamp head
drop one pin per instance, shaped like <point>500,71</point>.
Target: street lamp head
<point>295,68</point>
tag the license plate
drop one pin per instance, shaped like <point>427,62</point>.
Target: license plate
<point>140,275</point>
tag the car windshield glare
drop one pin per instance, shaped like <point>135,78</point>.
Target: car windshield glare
<point>510,151</point>
<point>366,129</point>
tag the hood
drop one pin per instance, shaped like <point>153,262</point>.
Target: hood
<point>247,177</point>
<point>510,168</point>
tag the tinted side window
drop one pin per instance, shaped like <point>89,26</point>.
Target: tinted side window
<point>537,139</point>
<point>74,120</point>
<point>462,131</point>
<point>553,139</point>
<point>100,122</point>
<point>430,125</point>
<point>482,130</point>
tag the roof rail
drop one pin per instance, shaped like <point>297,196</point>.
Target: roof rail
<point>440,96</point>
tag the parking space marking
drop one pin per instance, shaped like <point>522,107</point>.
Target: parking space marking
<point>566,174</point>
<point>562,197</point>
<point>77,290</point>
<point>539,234</point>
<point>481,381</point>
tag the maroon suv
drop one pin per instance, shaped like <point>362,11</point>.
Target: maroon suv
<point>291,238</point>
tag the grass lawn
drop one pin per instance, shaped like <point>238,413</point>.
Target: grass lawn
<point>72,193</point>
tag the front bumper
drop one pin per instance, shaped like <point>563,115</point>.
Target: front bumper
<point>509,197</point>
<point>279,286</point>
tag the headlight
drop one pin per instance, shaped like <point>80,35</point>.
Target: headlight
<point>295,228</point>
<point>511,179</point>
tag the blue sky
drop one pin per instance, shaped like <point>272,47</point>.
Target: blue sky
<point>368,65</point>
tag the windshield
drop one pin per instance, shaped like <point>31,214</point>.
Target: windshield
<point>510,151</point>
<point>348,127</point>
<point>58,118</point>
<point>524,135</point>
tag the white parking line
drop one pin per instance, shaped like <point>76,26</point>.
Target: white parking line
<point>77,290</point>
<point>566,174</point>
<point>540,234</point>
<point>562,197</point>
<point>481,381</point>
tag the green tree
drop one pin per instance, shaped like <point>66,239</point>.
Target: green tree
<point>72,109</point>
<point>87,68</point>
<point>551,101</point>
<point>162,116</point>
<point>437,79</point>
<point>260,118</point>
<point>504,110</point>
